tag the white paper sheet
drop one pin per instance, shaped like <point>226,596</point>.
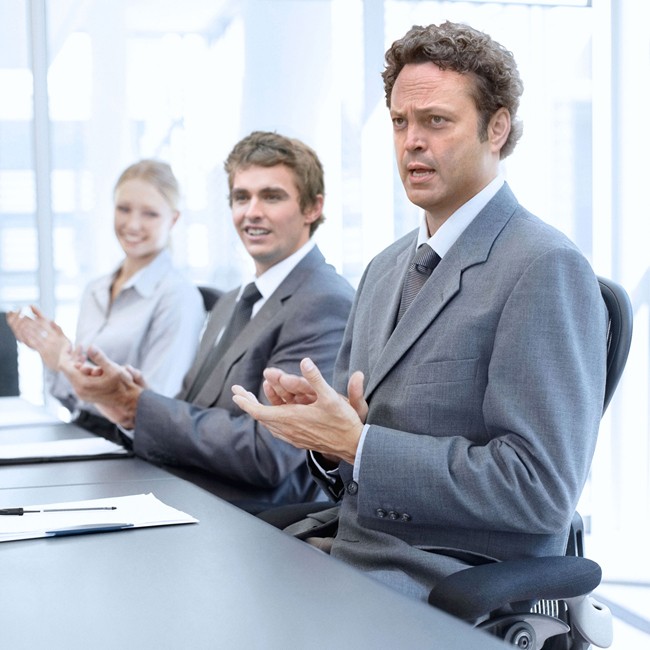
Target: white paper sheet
<point>15,411</point>
<point>135,511</point>
<point>53,449</point>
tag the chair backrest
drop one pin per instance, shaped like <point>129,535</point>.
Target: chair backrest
<point>8,360</point>
<point>210,296</point>
<point>619,333</point>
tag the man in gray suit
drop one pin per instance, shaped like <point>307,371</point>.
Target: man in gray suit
<point>299,307</point>
<point>471,413</point>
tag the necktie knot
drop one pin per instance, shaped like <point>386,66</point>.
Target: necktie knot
<point>426,259</point>
<point>250,294</point>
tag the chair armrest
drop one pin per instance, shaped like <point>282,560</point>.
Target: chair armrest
<point>480,590</point>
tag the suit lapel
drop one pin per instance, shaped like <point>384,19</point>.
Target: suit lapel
<point>257,326</point>
<point>472,247</point>
<point>217,320</point>
<point>386,294</point>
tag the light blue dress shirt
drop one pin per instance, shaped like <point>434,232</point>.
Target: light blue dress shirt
<point>153,324</point>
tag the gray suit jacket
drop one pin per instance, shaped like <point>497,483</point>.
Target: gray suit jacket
<point>212,442</point>
<point>484,401</point>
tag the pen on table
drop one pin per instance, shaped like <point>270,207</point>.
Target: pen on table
<point>22,511</point>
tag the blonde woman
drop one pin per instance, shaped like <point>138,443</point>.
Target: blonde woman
<point>144,314</point>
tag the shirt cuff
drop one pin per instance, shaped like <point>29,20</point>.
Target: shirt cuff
<point>329,475</point>
<point>357,459</point>
<point>129,433</point>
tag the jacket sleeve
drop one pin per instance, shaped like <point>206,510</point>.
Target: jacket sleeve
<point>223,439</point>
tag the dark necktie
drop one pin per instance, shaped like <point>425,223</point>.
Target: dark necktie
<point>426,259</point>
<point>240,316</point>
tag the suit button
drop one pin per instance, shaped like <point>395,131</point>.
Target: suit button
<point>393,515</point>
<point>380,512</point>
<point>406,517</point>
<point>352,487</point>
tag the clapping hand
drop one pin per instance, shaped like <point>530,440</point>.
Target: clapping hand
<point>307,412</point>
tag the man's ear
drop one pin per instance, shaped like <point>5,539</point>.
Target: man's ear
<point>315,210</point>
<point>499,128</point>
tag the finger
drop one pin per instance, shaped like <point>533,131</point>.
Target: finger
<point>96,356</point>
<point>241,392</point>
<point>277,393</point>
<point>297,385</point>
<point>271,394</point>
<point>273,374</point>
<point>355,395</point>
<point>83,368</point>
<point>247,402</point>
<point>313,375</point>
<point>36,311</point>
<point>277,379</point>
<point>136,375</point>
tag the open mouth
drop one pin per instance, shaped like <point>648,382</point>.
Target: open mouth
<point>256,231</point>
<point>418,171</point>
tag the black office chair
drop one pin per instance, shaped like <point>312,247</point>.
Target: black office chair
<point>496,597</point>
<point>8,360</point>
<point>210,296</point>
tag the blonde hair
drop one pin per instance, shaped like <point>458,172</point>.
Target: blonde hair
<point>157,173</point>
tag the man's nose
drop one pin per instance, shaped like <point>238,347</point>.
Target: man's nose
<point>414,138</point>
<point>254,207</point>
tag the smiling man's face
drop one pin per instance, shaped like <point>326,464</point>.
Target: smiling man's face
<point>265,204</point>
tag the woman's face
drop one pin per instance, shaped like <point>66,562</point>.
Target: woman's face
<point>143,219</point>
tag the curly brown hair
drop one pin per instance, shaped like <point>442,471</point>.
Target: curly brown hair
<point>457,47</point>
<point>268,149</point>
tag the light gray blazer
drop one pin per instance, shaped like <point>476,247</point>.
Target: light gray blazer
<point>215,444</point>
<point>485,400</point>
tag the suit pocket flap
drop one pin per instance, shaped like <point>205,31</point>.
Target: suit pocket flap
<point>448,371</point>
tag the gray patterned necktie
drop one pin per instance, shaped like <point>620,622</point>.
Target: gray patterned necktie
<point>240,316</point>
<point>426,259</point>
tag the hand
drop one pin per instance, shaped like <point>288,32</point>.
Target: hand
<point>137,376</point>
<point>282,388</point>
<point>41,334</point>
<point>108,385</point>
<point>307,412</point>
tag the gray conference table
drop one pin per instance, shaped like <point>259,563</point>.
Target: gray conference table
<point>230,581</point>
<point>43,474</point>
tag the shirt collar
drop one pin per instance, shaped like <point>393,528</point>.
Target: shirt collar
<point>147,278</point>
<point>445,237</point>
<point>271,279</point>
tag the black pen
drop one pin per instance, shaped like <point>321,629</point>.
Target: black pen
<point>22,511</point>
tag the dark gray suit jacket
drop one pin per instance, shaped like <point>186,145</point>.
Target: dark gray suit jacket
<point>484,401</point>
<point>211,441</point>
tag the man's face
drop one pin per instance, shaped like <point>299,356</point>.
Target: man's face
<point>266,212</point>
<point>440,158</point>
